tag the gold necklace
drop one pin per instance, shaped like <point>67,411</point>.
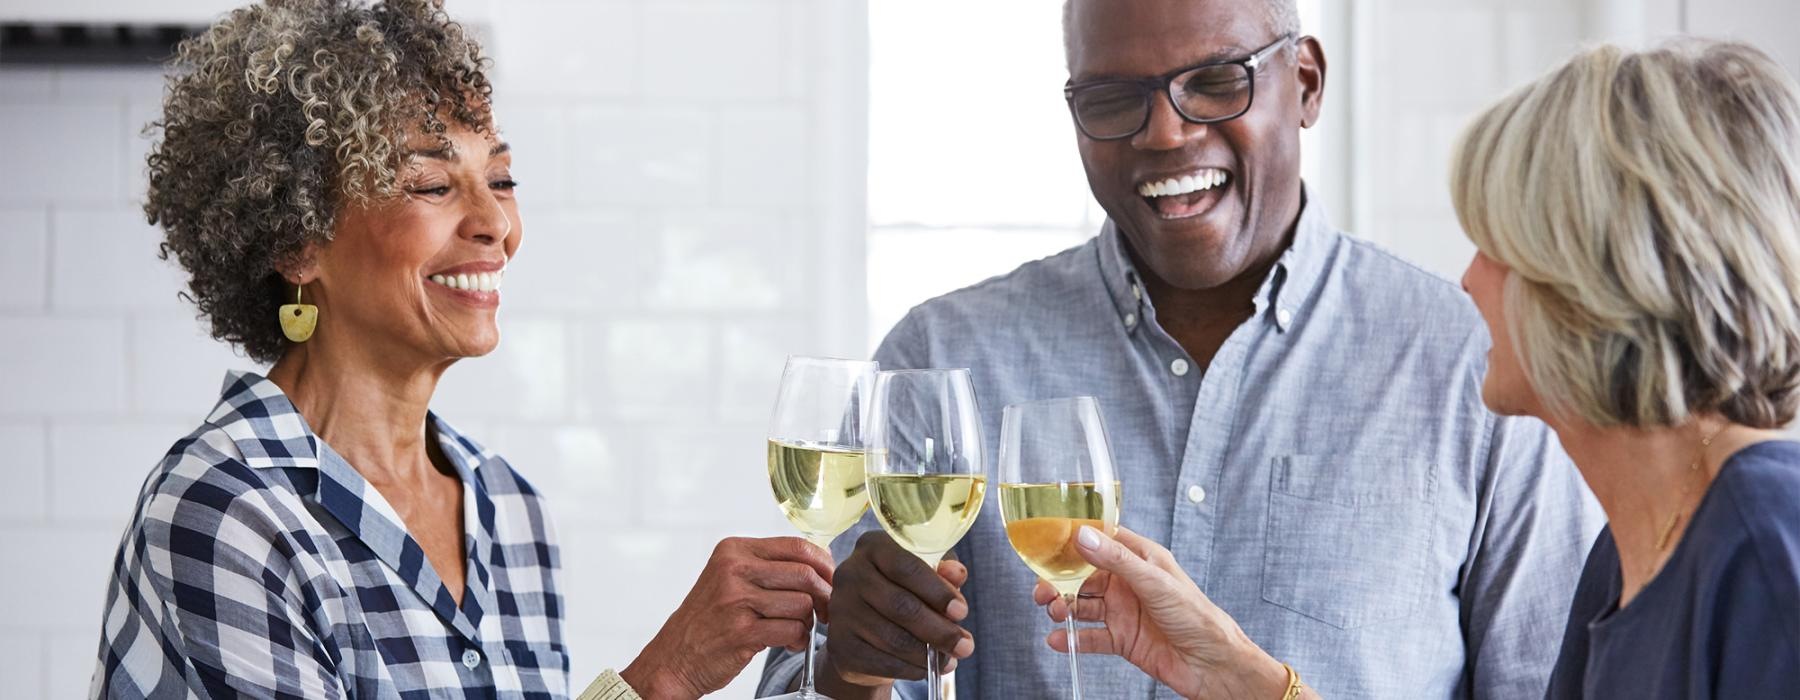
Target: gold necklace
<point>1687,485</point>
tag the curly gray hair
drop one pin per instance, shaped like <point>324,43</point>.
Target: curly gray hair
<point>278,116</point>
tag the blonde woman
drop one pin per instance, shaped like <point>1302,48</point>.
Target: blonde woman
<point>1637,217</point>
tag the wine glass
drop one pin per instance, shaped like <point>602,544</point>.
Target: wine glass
<point>1056,475</point>
<point>927,467</point>
<point>816,441</point>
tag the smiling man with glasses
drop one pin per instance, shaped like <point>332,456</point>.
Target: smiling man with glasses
<point>1295,413</point>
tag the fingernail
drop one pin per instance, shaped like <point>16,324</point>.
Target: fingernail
<point>1088,538</point>
<point>963,648</point>
<point>957,610</point>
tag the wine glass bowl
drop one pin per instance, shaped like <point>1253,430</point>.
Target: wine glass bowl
<point>1056,476</point>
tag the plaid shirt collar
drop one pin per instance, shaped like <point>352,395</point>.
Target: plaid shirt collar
<point>272,434</point>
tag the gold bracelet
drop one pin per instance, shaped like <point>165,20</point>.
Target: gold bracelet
<point>1294,685</point>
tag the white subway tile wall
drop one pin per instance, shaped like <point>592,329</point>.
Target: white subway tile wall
<point>22,663</point>
<point>25,268</point>
<point>1418,103</point>
<point>673,193</point>
<point>24,500</point>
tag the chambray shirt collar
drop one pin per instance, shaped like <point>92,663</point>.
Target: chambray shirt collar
<point>1282,296</point>
<point>270,433</point>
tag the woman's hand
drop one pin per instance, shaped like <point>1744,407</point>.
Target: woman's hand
<point>752,595</point>
<point>1156,618</point>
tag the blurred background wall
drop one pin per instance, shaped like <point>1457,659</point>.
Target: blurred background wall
<point>707,186</point>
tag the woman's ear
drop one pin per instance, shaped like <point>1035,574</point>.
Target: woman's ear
<point>302,267</point>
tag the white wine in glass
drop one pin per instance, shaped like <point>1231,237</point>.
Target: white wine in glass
<point>1056,475</point>
<point>927,468</point>
<point>1041,522</point>
<point>928,513</point>
<point>816,450</point>
<point>820,488</point>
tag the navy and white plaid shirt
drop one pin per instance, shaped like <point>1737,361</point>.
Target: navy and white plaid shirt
<point>261,564</point>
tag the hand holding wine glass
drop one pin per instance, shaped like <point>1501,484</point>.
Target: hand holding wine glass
<point>1154,616</point>
<point>926,468</point>
<point>754,593</point>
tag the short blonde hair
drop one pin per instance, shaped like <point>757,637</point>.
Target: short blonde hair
<point>1648,204</point>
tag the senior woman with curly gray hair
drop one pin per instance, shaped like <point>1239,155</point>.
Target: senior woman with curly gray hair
<point>330,177</point>
<point>1637,217</point>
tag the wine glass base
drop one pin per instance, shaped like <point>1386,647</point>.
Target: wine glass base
<point>799,695</point>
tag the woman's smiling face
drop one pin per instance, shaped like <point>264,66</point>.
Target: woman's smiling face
<point>419,275</point>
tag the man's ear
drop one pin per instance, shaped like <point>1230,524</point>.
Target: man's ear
<point>1309,61</point>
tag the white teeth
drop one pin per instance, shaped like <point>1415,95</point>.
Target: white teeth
<point>475,282</point>
<point>1192,182</point>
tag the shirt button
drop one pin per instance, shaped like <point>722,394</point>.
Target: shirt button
<point>1179,367</point>
<point>1137,292</point>
<point>1196,494</point>
<point>1284,317</point>
<point>1130,320</point>
<point>471,659</point>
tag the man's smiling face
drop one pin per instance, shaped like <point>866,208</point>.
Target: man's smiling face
<point>1244,192</point>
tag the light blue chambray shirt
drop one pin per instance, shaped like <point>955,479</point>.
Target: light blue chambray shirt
<point>1333,481</point>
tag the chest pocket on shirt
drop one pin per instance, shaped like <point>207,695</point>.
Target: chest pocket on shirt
<point>1349,545</point>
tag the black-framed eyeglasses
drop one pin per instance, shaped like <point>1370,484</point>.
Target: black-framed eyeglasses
<point>1114,108</point>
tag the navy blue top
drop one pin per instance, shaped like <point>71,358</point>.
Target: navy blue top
<point>1722,618</point>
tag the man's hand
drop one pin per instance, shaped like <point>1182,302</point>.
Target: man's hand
<point>1156,618</point>
<point>887,605</point>
<point>753,594</point>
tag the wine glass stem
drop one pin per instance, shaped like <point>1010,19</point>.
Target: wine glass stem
<point>934,681</point>
<point>806,680</point>
<point>1069,627</point>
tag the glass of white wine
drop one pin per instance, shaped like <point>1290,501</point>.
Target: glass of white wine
<point>927,467</point>
<point>1056,475</point>
<point>816,447</point>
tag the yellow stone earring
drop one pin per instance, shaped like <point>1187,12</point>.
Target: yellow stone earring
<point>298,320</point>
